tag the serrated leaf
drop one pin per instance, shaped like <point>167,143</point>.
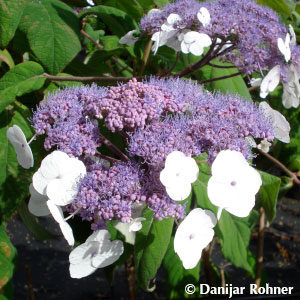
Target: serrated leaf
<point>32,224</point>
<point>52,30</point>
<point>151,244</point>
<point>268,194</point>
<point>132,7</point>
<point>117,20</point>
<point>18,81</point>
<point>177,276</point>
<point>10,15</point>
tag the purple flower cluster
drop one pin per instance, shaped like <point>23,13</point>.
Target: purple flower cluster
<point>107,193</point>
<point>252,29</point>
<point>65,117</point>
<point>211,124</point>
<point>132,105</point>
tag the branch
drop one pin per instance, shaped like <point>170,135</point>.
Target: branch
<point>281,166</point>
<point>260,249</point>
<point>219,66</point>
<point>108,158</point>
<point>172,67</point>
<point>84,79</point>
<point>100,47</point>
<point>220,78</point>
<point>114,149</point>
<point>146,56</point>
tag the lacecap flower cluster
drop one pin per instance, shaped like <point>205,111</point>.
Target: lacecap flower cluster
<point>154,118</point>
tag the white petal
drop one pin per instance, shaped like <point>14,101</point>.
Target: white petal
<point>293,35</point>
<point>196,49</point>
<point>99,236</point>
<point>54,164</point>
<point>255,82</point>
<point>67,233</point>
<point>136,224</point>
<point>37,203</point>
<point>192,36</point>
<point>270,82</point>
<point>284,47</point>
<point>109,252</point>
<point>56,212</point>
<point>264,146</point>
<point>124,229</point>
<point>173,18</point>
<point>193,234</point>
<point>203,16</point>
<point>234,183</point>
<point>61,192</point>
<point>40,182</point>
<point>251,142</point>
<point>19,142</point>
<point>129,38</point>
<point>179,192</point>
<point>81,270</point>
<point>185,48</point>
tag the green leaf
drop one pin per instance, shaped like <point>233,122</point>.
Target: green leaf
<point>7,255</point>
<point>235,85</point>
<point>18,81</point>
<point>278,5</point>
<point>161,3</point>
<point>268,194</point>
<point>6,57</point>
<point>132,7</point>
<point>52,30</point>
<point>10,15</point>
<point>110,42</point>
<point>117,20</point>
<point>177,276</point>
<point>31,222</point>
<point>151,244</point>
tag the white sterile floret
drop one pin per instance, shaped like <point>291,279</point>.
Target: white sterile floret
<point>97,252</point>
<point>161,38</point>
<point>270,82</point>
<point>19,142</point>
<point>280,125</point>
<point>284,47</point>
<point>58,177</point>
<point>264,146</point>
<point>179,173</point>
<point>129,38</point>
<point>171,20</point>
<point>58,216</point>
<point>129,229</point>
<point>255,82</point>
<point>37,203</point>
<point>203,16</point>
<point>291,89</point>
<point>233,184</point>
<point>293,41</point>
<point>193,234</point>
<point>195,42</point>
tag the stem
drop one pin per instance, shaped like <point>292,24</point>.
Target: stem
<point>83,79</point>
<point>208,270</point>
<point>220,78</point>
<point>260,249</point>
<point>108,158</point>
<point>281,166</point>
<point>172,67</point>
<point>114,149</point>
<point>223,278</point>
<point>31,295</point>
<point>73,214</point>
<point>32,139</point>
<point>100,47</point>
<point>130,270</point>
<point>219,66</point>
<point>146,56</point>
